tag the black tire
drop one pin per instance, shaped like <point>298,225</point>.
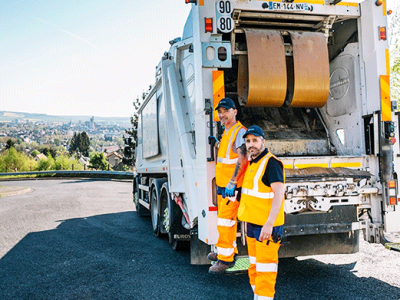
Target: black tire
<point>172,221</point>
<point>155,217</point>
<point>140,209</point>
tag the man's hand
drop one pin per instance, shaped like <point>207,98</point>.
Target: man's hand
<point>213,141</point>
<point>266,232</point>
<point>230,189</point>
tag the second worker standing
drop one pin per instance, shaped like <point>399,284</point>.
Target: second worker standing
<point>229,173</point>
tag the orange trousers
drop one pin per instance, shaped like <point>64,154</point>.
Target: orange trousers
<point>263,267</point>
<point>227,228</point>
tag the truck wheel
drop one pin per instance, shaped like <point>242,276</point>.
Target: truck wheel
<point>172,219</point>
<point>155,218</point>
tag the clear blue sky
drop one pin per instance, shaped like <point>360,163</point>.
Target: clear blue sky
<point>88,57</point>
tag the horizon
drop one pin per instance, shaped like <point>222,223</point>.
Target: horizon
<point>23,112</point>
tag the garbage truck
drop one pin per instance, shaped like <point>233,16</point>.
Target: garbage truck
<point>314,75</point>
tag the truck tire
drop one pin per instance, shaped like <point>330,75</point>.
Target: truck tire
<point>155,217</point>
<point>172,220</point>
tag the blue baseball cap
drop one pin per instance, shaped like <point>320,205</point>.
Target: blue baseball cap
<point>254,130</point>
<point>226,103</point>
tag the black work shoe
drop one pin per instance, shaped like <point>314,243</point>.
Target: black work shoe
<point>220,266</point>
<point>212,256</point>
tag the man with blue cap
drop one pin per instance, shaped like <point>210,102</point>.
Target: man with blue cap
<point>229,173</point>
<point>262,207</point>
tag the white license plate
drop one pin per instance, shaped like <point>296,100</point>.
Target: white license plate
<point>287,6</point>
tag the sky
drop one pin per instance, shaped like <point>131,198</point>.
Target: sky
<point>91,57</point>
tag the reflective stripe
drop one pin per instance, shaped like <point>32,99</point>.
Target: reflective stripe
<point>260,171</point>
<point>226,222</point>
<point>227,161</point>
<point>252,260</point>
<point>270,267</point>
<point>258,194</point>
<point>253,287</point>
<point>225,251</point>
<point>228,150</point>
<point>257,297</point>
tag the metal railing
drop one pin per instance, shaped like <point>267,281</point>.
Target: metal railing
<point>91,174</point>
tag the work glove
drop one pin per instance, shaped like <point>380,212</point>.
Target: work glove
<point>230,189</point>
<point>213,141</point>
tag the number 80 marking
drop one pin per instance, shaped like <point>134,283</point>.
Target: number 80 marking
<point>225,24</point>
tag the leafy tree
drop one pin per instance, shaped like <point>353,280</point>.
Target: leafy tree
<point>13,161</point>
<point>131,140</point>
<point>10,143</point>
<point>98,161</point>
<point>80,142</point>
<point>46,164</point>
<point>63,162</point>
<point>49,151</point>
<point>394,34</point>
<point>57,142</point>
<point>35,152</point>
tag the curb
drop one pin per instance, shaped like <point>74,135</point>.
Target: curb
<point>15,192</point>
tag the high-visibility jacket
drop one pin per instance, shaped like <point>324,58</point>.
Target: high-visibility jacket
<point>226,158</point>
<point>256,199</point>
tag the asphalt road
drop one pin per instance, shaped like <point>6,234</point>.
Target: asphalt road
<point>82,239</point>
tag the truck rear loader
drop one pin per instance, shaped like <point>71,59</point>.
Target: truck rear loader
<point>315,76</point>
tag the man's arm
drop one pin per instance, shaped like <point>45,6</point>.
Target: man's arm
<point>241,163</point>
<point>239,169</point>
<point>279,193</point>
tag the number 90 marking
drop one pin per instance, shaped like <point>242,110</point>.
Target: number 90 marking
<point>224,7</point>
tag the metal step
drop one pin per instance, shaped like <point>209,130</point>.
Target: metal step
<point>241,266</point>
<point>393,246</point>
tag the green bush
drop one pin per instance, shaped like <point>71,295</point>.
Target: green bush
<point>13,161</point>
<point>46,164</point>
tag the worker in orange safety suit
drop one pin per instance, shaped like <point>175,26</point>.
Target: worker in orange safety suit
<point>231,164</point>
<point>262,207</point>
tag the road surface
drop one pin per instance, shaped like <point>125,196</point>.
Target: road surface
<point>82,239</point>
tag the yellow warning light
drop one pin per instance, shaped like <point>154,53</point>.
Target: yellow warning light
<point>379,2</point>
<point>392,184</point>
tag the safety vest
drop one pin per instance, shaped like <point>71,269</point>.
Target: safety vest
<point>226,158</point>
<point>256,199</point>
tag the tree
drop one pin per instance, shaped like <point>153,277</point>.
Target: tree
<point>10,143</point>
<point>131,140</point>
<point>394,35</point>
<point>35,152</point>
<point>13,161</point>
<point>46,164</point>
<point>80,142</point>
<point>98,161</point>
<point>63,162</point>
<point>48,151</point>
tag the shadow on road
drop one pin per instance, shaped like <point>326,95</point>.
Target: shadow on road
<point>116,256</point>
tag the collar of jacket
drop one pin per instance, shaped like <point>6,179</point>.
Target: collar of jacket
<point>265,152</point>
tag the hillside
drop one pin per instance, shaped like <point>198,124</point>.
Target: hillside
<point>9,116</point>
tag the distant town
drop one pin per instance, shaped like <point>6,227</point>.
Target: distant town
<point>35,132</point>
